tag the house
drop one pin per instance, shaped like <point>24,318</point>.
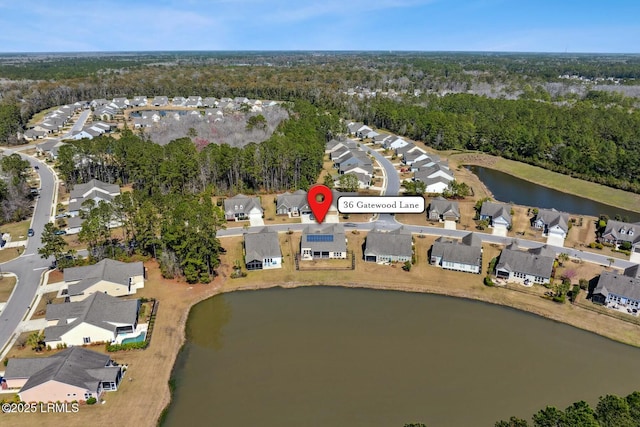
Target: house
<point>74,224</point>
<point>93,190</point>
<point>119,103</point>
<point>464,255</point>
<point>139,101</point>
<point>381,138</point>
<point>357,128</point>
<point>323,241</point>
<point>74,374</point>
<point>109,276</point>
<point>160,101</point>
<point>619,289</point>
<point>96,319</point>
<point>364,179</point>
<point>411,157</point>
<point>394,143</point>
<point>435,177</point>
<point>391,246</point>
<point>441,209</point>
<point>193,101</point>
<point>262,250</point>
<point>242,208</point>
<point>554,225</point>
<point>98,102</point>
<point>49,148</point>
<point>32,134</point>
<point>526,267</point>
<point>618,232</point>
<point>356,168</point>
<point>498,214</point>
<point>179,101</point>
<point>354,157</point>
<point>210,102</point>
<point>293,204</point>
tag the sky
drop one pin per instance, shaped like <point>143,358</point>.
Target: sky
<point>409,25</point>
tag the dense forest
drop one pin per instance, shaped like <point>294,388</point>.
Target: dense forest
<point>521,106</point>
<point>170,213</point>
<point>610,411</point>
<point>589,139</point>
<point>15,195</point>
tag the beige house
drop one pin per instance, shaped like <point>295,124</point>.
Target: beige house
<point>73,374</point>
<point>111,277</point>
<point>98,318</point>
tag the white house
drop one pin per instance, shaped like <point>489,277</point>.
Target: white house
<point>323,241</point>
<point>108,276</point>
<point>98,318</point>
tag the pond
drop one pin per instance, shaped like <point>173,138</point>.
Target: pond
<point>509,189</point>
<point>324,356</point>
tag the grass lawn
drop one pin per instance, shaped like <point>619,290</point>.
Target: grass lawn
<point>555,180</point>
<point>7,254</point>
<point>7,283</point>
<point>18,230</point>
<point>37,117</point>
<point>150,369</point>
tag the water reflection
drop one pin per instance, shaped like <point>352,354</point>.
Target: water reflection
<point>509,189</point>
<point>208,331</point>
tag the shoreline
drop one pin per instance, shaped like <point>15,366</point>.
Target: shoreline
<point>626,200</point>
<point>453,292</point>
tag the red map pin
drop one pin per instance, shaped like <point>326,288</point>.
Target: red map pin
<point>319,198</point>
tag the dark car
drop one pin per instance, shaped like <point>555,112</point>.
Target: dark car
<point>30,233</point>
<point>36,167</point>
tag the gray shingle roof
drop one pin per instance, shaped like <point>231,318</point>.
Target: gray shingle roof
<point>241,204</point>
<point>496,210</point>
<point>80,189</point>
<point>298,200</point>
<point>261,245</point>
<point>444,207</point>
<point>394,243</point>
<point>466,251</point>
<point>525,262</point>
<point>75,366</point>
<point>98,309</point>
<point>552,217</point>
<point>622,231</point>
<point>337,242</point>
<point>619,284</point>
<point>107,269</point>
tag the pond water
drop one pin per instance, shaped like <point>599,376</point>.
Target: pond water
<point>323,356</point>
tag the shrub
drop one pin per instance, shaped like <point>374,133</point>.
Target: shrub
<point>584,284</point>
<point>129,346</point>
<point>91,401</point>
<point>559,299</point>
<point>407,266</point>
<point>488,281</point>
<point>5,362</point>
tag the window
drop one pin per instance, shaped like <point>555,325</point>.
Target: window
<point>86,340</point>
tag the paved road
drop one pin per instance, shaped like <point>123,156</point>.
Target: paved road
<point>78,125</point>
<point>28,267</point>
<point>392,182</point>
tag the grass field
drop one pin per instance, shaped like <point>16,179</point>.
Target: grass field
<point>18,230</point>
<point>7,254</point>
<point>7,283</point>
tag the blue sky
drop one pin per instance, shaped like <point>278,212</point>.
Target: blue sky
<point>425,25</point>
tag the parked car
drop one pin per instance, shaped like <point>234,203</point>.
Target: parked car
<point>59,232</point>
<point>30,232</point>
<point>36,167</point>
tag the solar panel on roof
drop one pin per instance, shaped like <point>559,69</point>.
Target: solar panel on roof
<point>320,238</point>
